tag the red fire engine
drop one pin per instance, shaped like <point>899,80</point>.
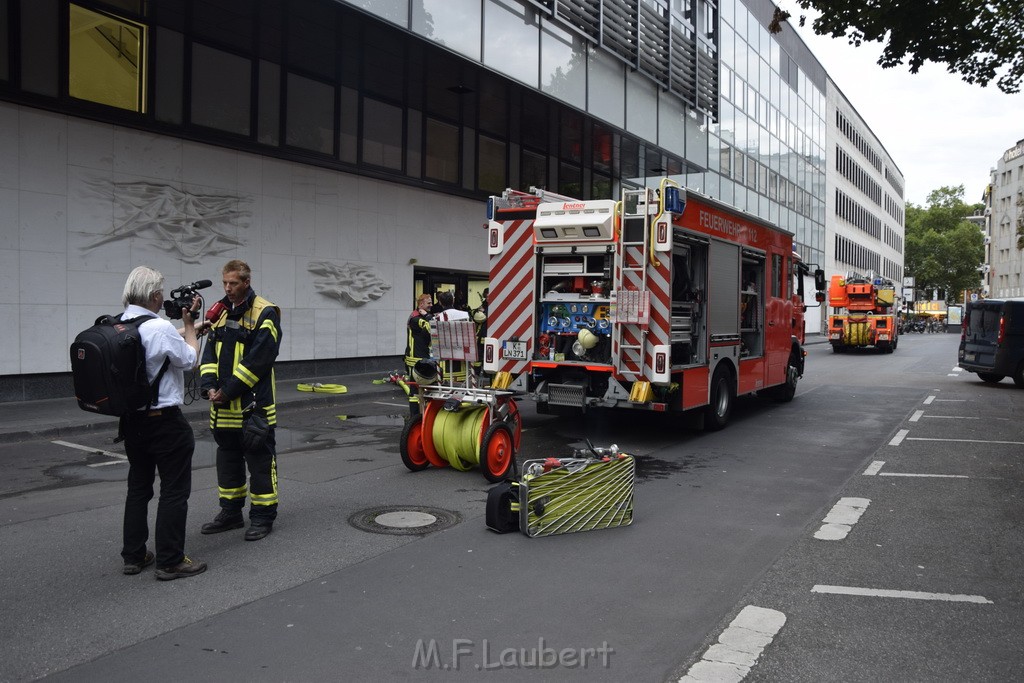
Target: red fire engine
<point>666,300</point>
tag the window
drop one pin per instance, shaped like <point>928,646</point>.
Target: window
<point>106,59</point>
<point>442,151</point>
<point>221,83</point>
<point>310,115</point>
<point>382,134</point>
<point>491,165</point>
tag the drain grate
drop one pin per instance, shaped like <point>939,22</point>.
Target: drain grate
<point>403,520</point>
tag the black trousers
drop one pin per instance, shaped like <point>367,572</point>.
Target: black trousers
<point>161,443</point>
<point>232,461</point>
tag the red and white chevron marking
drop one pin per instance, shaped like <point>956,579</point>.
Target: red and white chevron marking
<point>659,281</point>
<point>510,306</point>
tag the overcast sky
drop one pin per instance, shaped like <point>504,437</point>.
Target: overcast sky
<point>938,129</point>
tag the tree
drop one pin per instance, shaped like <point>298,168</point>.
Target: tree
<point>942,248</point>
<point>977,40</point>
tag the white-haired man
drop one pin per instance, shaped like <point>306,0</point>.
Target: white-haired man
<point>158,438</point>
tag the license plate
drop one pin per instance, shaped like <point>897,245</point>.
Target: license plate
<point>969,357</point>
<point>513,350</point>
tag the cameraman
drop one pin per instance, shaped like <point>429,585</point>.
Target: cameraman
<point>159,438</point>
<point>238,378</point>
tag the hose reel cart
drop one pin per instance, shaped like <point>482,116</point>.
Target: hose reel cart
<point>462,426</point>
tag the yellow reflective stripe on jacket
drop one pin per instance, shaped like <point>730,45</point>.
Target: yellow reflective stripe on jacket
<point>243,373</point>
<point>270,326</point>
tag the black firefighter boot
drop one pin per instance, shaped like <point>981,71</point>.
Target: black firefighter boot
<point>226,520</point>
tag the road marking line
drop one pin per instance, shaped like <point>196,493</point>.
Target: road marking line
<point>951,400</point>
<point>108,462</point>
<point>738,646</point>
<point>90,449</point>
<point>928,401</point>
<point>928,438</point>
<point>840,519</point>
<point>908,595</point>
<point>382,403</point>
<point>957,368</point>
<point>961,417</point>
<point>952,374</point>
<point>940,476</point>
<point>916,416</point>
<point>874,467</point>
<point>898,439</point>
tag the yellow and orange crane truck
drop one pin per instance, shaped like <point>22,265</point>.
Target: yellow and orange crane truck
<point>863,313</point>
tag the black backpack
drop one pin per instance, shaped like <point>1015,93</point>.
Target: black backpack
<point>108,364</point>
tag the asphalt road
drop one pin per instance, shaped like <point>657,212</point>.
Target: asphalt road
<point>925,584</point>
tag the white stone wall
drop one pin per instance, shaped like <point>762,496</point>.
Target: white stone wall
<point>67,184</point>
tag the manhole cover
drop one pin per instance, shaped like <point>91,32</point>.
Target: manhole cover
<point>403,519</point>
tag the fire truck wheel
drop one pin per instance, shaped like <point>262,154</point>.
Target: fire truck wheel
<point>788,390</point>
<point>1018,376</point>
<point>837,348</point>
<point>497,453</point>
<point>411,445</point>
<point>716,414</point>
<point>991,377</point>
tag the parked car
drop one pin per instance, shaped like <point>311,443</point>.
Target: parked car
<point>992,340</point>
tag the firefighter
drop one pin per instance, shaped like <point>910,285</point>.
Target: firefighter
<point>237,375</point>
<point>480,319</point>
<point>417,345</point>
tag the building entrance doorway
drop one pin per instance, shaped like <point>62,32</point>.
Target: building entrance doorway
<point>467,287</point>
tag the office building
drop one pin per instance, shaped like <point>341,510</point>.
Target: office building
<point>345,148</point>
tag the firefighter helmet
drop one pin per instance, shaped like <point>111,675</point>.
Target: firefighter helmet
<point>587,339</point>
<point>424,372</point>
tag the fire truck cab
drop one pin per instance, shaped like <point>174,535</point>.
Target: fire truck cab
<point>666,300</point>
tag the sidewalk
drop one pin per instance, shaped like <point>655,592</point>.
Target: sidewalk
<point>62,417</point>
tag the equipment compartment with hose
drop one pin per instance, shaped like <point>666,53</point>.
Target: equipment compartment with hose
<point>592,490</point>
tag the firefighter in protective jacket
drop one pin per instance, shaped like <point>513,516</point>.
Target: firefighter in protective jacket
<point>417,345</point>
<point>237,372</point>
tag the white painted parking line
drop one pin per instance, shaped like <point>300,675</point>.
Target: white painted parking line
<point>898,439</point>
<point>957,368</point>
<point>960,417</point>
<point>928,401</point>
<point>838,523</point>
<point>930,438</point>
<point>937,476</point>
<point>951,400</point>
<point>874,468</point>
<point>90,449</point>
<point>738,647</point>
<point>907,595</point>
<point>916,416</point>
<point>107,463</point>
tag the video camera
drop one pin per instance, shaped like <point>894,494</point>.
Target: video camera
<point>183,297</point>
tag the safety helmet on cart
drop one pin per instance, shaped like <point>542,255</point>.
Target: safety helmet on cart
<point>425,372</point>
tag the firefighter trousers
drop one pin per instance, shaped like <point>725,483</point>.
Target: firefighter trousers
<point>232,462</point>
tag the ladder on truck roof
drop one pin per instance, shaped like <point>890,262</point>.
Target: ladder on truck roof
<point>632,300</point>
<point>518,199</point>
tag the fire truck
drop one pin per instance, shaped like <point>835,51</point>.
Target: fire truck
<point>864,313</point>
<point>666,300</point>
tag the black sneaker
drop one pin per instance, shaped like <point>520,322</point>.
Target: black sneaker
<point>224,521</point>
<point>184,569</point>
<point>256,530</point>
<point>137,567</point>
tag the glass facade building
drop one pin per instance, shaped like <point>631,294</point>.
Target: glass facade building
<point>367,133</point>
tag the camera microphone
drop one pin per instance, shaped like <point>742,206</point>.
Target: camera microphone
<point>202,284</point>
<point>213,313</point>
